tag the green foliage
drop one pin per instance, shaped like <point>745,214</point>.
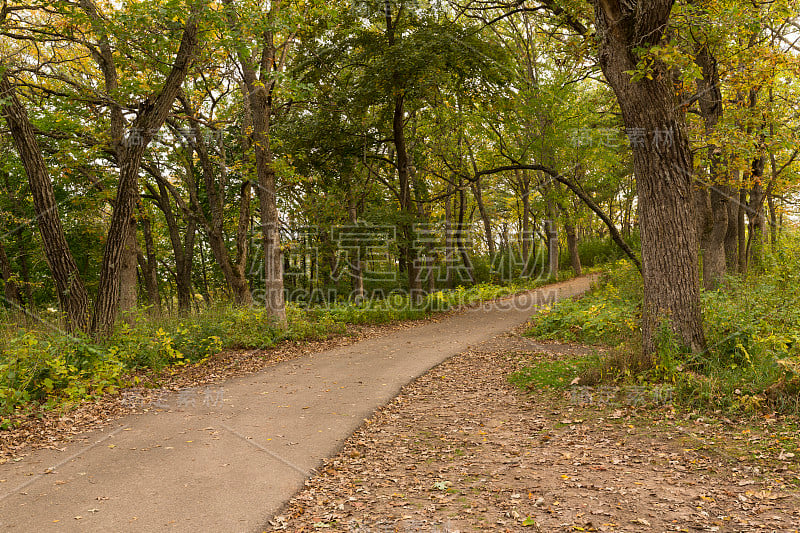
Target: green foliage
<point>54,369</point>
<point>752,327</point>
<point>51,369</point>
<point>599,251</point>
<point>550,374</point>
<point>605,316</point>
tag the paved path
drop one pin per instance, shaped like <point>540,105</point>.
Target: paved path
<point>227,458</point>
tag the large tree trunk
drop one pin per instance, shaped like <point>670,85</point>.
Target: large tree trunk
<point>663,168</point>
<point>151,117</point>
<point>259,82</point>
<point>71,292</point>
<point>713,197</point>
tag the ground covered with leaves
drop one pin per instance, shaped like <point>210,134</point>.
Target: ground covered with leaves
<point>462,449</point>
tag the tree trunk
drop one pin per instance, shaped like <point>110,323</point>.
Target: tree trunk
<point>449,256</point>
<point>572,247</point>
<point>128,286</point>
<point>356,271</point>
<point>406,205</point>
<point>232,270</point>
<point>182,248</point>
<point>408,250</point>
<point>732,234</point>
<point>663,167</point>
<point>487,222</point>
<point>429,246</point>
<point>260,84</point>
<point>713,197</point>
<point>183,270</point>
<point>147,262</point>
<point>527,234</point>
<point>462,250</point>
<point>151,117</point>
<point>773,223</point>
<point>551,232</point>
<point>741,230</point>
<point>25,273</point>
<point>712,211</point>
<point>70,290</point>
<point>755,213</point>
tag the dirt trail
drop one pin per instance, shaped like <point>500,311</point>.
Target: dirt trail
<point>226,458</point>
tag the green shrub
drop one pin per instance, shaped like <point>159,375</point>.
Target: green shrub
<point>607,315</point>
<point>752,330</point>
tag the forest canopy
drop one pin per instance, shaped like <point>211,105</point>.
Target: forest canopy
<point>167,155</point>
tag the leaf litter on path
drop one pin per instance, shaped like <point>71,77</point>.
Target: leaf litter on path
<point>461,450</point>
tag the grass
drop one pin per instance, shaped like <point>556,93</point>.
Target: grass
<point>752,363</point>
<point>551,374</point>
<point>43,369</point>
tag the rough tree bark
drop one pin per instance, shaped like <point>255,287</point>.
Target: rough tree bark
<point>714,196</point>
<point>71,292</point>
<point>153,112</point>
<point>128,286</point>
<point>104,56</point>
<point>663,167</point>
<point>260,83</point>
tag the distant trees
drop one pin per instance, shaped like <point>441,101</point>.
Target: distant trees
<point>176,152</point>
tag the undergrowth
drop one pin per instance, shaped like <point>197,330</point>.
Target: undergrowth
<point>42,367</point>
<point>752,325</point>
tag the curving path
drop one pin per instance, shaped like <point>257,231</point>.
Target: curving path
<point>226,458</point>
